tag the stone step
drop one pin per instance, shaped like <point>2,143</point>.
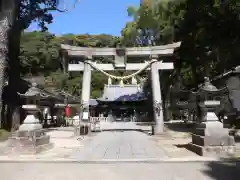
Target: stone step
<point>26,141</point>
<point>213,141</point>
<point>203,131</point>
<point>35,133</point>
<point>210,151</point>
<point>27,150</point>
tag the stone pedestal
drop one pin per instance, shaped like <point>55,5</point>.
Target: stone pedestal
<point>83,129</point>
<point>30,138</point>
<point>28,142</point>
<point>211,139</point>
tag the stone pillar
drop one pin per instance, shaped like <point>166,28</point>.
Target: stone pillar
<point>84,125</point>
<point>86,88</point>
<point>157,99</point>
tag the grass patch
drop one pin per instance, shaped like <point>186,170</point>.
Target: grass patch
<point>4,135</point>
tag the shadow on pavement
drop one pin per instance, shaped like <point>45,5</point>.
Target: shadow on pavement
<point>124,130</point>
<point>223,170</point>
<point>180,126</point>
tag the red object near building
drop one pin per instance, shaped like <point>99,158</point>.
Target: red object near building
<point>68,111</point>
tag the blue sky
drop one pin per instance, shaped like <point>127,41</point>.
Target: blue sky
<point>93,17</point>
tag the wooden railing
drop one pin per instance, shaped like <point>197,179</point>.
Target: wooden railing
<point>95,122</point>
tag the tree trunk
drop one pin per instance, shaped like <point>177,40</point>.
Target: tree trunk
<point>14,35</point>
<point>14,51</point>
<point>14,74</point>
<point>195,75</point>
<point>6,16</point>
<point>9,57</point>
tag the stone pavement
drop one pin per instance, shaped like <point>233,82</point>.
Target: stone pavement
<point>131,142</point>
<point>125,171</point>
<point>111,146</point>
<point>108,146</point>
<point>174,144</point>
<point>64,144</point>
<point>105,126</point>
<point>119,145</point>
<point>76,160</point>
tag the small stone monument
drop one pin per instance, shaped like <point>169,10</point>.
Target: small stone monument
<point>31,137</point>
<point>210,137</point>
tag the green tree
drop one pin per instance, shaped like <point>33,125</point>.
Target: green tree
<point>208,30</point>
<point>20,14</point>
<point>39,53</point>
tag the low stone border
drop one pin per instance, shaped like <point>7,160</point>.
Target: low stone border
<point>114,161</point>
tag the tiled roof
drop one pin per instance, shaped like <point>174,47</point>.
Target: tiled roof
<point>93,102</point>
<point>114,92</point>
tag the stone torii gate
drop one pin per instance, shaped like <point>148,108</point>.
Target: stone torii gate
<point>153,62</point>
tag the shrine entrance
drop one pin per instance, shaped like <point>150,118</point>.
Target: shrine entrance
<point>85,60</point>
<point>122,103</point>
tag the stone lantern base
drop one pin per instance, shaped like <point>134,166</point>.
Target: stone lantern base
<point>30,138</point>
<point>28,142</point>
<point>211,139</point>
<point>83,129</point>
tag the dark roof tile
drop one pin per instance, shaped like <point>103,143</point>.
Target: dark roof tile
<point>113,92</point>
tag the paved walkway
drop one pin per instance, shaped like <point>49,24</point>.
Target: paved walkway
<point>106,146</point>
<point>128,171</point>
<point>105,126</point>
<point>115,145</point>
<point>119,145</point>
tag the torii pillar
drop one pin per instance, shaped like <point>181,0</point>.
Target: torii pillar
<point>86,92</point>
<point>157,98</point>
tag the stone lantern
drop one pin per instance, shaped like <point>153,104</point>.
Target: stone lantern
<point>210,137</point>
<point>207,103</point>
<point>30,138</point>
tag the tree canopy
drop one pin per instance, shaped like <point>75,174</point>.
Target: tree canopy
<point>40,56</point>
<point>208,30</point>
